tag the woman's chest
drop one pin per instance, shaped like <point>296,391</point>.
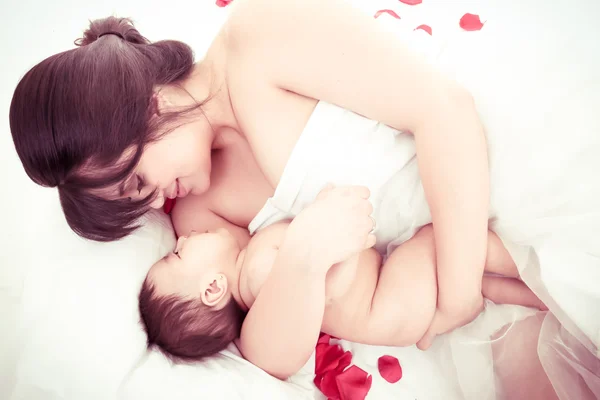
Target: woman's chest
<point>238,187</point>
<point>246,175</point>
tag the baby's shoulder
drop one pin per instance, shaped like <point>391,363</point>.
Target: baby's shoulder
<point>272,235</point>
<point>260,255</point>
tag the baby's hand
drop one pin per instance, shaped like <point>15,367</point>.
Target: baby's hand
<point>337,225</point>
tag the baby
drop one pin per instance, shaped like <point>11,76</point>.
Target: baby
<point>193,301</point>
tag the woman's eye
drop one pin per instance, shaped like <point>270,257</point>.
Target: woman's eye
<point>140,184</point>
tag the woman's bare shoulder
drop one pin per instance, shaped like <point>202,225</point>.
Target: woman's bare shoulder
<point>252,24</point>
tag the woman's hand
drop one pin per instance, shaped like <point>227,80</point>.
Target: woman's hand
<point>336,226</point>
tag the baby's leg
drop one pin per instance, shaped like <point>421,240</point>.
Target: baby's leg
<point>502,290</point>
<point>405,297</point>
<point>498,260</point>
<point>505,289</point>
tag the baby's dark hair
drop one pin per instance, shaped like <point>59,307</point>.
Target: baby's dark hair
<point>186,329</point>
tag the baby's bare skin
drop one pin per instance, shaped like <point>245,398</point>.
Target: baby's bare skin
<point>388,304</point>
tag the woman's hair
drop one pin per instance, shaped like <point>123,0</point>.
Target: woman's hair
<point>80,120</point>
<point>187,330</point>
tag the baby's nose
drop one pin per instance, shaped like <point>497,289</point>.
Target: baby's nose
<point>158,202</point>
<point>180,243</point>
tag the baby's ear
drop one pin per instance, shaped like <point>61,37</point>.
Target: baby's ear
<point>214,292</point>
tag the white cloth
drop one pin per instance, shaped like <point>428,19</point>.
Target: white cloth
<point>537,90</point>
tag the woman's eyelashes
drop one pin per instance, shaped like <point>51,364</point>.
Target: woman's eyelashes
<point>140,183</point>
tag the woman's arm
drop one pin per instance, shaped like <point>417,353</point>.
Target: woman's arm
<point>282,327</point>
<point>329,51</point>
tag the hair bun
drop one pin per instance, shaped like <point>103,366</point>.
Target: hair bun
<point>120,27</point>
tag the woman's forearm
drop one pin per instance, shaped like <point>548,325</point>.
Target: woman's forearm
<point>452,156</point>
<point>283,325</point>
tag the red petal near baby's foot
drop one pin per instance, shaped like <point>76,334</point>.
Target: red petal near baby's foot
<point>389,368</point>
<point>411,2</point>
<point>390,12</point>
<point>223,3</point>
<point>354,383</point>
<point>471,22</point>
<point>426,28</point>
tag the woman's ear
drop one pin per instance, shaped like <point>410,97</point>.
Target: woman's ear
<point>215,290</point>
<point>162,99</point>
<point>159,102</point>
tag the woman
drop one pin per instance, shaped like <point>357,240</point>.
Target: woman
<point>120,124</point>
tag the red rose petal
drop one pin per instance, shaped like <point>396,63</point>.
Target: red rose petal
<point>390,12</point>
<point>471,22</point>
<point>344,362</point>
<point>389,368</point>
<point>323,338</point>
<point>223,3</point>
<point>353,384</point>
<point>317,381</point>
<point>327,358</point>
<point>411,2</point>
<point>329,386</point>
<point>426,28</point>
<point>332,375</point>
<point>168,206</point>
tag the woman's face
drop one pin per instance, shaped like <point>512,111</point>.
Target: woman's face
<point>177,164</point>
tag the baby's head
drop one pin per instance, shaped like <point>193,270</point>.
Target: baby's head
<point>188,301</point>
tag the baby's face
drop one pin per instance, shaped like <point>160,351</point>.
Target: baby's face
<point>194,263</point>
